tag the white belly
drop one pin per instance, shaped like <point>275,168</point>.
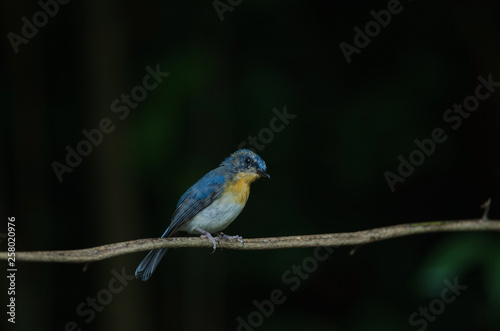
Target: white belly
<point>215,217</point>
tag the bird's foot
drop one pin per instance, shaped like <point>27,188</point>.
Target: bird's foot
<point>208,236</point>
<point>224,236</point>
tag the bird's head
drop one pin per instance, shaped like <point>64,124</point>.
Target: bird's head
<point>246,161</point>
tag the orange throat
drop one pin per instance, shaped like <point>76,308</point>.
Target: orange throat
<point>241,186</point>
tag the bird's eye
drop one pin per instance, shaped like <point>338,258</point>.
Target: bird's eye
<point>248,160</point>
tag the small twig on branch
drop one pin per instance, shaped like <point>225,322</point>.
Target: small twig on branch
<point>333,239</point>
<point>486,207</point>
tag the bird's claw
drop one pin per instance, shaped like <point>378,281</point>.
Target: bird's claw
<point>220,236</point>
<point>209,237</point>
<point>224,236</point>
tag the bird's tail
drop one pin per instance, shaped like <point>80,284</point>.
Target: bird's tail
<point>149,264</point>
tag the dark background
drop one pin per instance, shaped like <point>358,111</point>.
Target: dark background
<point>327,165</point>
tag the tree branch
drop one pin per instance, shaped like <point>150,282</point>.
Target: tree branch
<point>333,239</point>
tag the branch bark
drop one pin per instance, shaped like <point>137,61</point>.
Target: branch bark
<point>333,239</point>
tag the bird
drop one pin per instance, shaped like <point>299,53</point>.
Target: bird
<point>211,204</point>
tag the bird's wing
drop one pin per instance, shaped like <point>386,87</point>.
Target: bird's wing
<point>197,197</point>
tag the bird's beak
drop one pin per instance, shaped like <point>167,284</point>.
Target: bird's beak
<point>263,174</point>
